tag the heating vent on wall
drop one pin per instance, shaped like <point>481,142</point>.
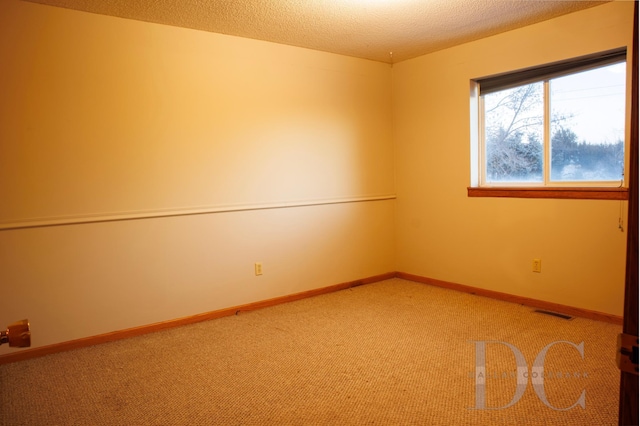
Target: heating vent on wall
<point>554,314</point>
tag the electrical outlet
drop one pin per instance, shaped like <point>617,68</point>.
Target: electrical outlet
<point>258,268</point>
<point>537,265</point>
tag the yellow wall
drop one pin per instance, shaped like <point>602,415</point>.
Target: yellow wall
<point>104,118</point>
<point>153,117</point>
<point>489,242</point>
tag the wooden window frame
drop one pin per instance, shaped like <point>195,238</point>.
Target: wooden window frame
<point>485,85</point>
<point>573,193</point>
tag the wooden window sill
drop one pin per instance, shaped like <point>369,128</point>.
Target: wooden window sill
<point>565,193</point>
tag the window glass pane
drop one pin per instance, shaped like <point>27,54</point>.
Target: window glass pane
<point>587,125</point>
<point>513,134</point>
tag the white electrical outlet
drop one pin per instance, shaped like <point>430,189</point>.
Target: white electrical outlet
<point>258,268</point>
<point>537,265</point>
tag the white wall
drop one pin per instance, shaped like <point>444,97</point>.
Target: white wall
<point>489,242</point>
<point>107,118</point>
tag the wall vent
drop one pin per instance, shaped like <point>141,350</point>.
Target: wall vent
<point>554,314</point>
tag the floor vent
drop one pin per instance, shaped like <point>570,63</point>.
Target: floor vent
<point>554,314</point>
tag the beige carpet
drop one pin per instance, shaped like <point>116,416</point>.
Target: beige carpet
<point>390,353</point>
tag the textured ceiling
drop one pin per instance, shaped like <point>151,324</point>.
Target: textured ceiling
<point>369,29</point>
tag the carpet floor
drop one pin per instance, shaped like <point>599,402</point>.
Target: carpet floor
<point>390,353</point>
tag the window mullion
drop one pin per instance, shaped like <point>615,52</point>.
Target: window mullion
<point>482,158</point>
<point>546,149</point>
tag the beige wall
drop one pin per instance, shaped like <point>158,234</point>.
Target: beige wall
<point>104,118</point>
<point>488,242</point>
<point>109,115</point>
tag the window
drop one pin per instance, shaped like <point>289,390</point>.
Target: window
<point>560,126</point>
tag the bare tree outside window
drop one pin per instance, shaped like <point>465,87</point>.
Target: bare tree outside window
<point>514,124</point>
<point>586,120</point>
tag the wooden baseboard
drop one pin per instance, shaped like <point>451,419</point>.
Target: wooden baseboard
<point>534,303</point>
<point>235,310</point>
<point>151,328</point>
